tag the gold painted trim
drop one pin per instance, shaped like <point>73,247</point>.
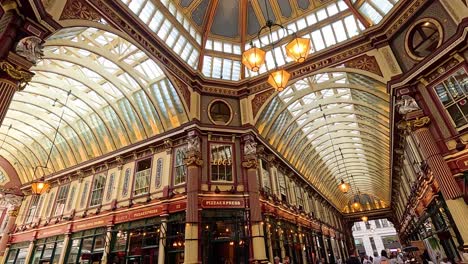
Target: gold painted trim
<point>418,22</point>
<point>230,109</point>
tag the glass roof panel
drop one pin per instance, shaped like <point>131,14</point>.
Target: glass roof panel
<point>338,131</point>
<point>111,102</point>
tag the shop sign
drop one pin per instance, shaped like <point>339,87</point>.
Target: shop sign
<point>52,231</point>
<point>159,168</point>
<point>223,203</point>
<point>175,207</point>
<point>16,238</point>
<point>138,214</point>
<point>462,163</point>
<point>91,223</point>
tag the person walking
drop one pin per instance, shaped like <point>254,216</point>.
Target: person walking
<point>384,257</point>
<point>366,260</point>
<point>353,259</point>
<point>276,260</point>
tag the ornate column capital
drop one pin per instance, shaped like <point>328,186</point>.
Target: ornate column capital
<point>16,74</point>
<point>249,152</point>
<point>193,157</point>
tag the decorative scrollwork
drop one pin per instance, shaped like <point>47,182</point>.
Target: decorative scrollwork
<point>193,160</point>
<point>413,124</point>
<point>16,73</point>
<point>250,164</point>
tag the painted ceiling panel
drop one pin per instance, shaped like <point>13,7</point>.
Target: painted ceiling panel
<point>198,15</point>
<point>303,4</point>
<point>226,20</point>
<point>253,25</point>
<point>118,96</point>
<point>285,8</point>
<point>185,3</point>
<point>267,11</point>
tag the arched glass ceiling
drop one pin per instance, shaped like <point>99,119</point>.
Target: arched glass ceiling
<point>333,126</point>
<point>119,96</point>
<point>215,32</point>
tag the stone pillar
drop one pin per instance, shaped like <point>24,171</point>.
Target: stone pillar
<point>301,242</point>
<point>249,164</point>
<point>66,242</point>
<point>30,252</point>
<point>107,246</point>
<point>14,202</point>
<point>268,235</point>
<point>194,163</point>
<point>162,239</point>
<point>451,193</point>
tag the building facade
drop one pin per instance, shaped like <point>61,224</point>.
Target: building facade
<point>374,236</point>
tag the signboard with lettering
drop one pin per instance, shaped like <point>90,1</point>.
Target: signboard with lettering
<point>223,203</point>
<point>92,223</point>
<point>462,163</point>
<point>52,231</point>
<point>139,214</point>
<point>16,238</point>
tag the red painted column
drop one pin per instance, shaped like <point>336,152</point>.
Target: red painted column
<point>249,165</point>
<point>15,203</point>
<point>194,163</point>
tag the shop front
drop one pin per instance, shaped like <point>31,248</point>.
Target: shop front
<point>136,242</point>
<point>225,236</point>
<point>48,250</point>
<point>87,247</point>
<point>17,253</point>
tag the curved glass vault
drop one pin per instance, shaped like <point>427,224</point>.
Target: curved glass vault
<point>119,96</point>
<point>333,126</point>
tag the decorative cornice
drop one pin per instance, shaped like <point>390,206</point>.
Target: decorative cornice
<point>76,9</point>
<point>250,164</point>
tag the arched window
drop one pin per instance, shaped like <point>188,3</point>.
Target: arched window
<point>179,166</point>
<point>98,190</point>
<point>126,182</point>
<point>110,187</point>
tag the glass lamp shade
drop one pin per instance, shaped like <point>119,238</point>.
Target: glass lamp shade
<point>364,218</point>
<point>344,187</point>
<point>356,205</point>
<point>253,58</point>
<point>279,79</point>
<point>39,187</point>
<point>298,49</point>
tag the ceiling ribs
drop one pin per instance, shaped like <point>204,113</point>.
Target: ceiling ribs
<point>207,23</point>
<point>357,14</point>
<point>243,29</point>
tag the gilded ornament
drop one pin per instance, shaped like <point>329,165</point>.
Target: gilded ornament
<point>250,164</point>
<point>413,124</point>
<point>13,213</point>
<point>22,76</point>
<point>193,160</point>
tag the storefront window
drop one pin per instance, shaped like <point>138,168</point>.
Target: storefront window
<point>179,165</point>
<point>17,253</point>
<point>87,247</point>
<point>452,93</point>
<point>175,239</point>
<point>142,177</point>
<point>221,162</point>
<point>224,236</point>
<point>61,200</point>
<point>136,242</point>
<point>97,190</point>
<point>48,250</point>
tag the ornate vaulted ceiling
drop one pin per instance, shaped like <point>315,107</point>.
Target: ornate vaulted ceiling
<point>210,35</point>
<point>118,96</point>
<point>334,126</point>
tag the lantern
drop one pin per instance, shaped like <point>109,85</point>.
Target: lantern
<point>356,205</point>
<point>279,79</point>
<point>364,218</point>
<point>344,187</point>
<point>39,187</point>
<point>253,58</point>
<point>298,49</point>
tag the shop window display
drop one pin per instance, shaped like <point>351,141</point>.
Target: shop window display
<point>136,242</point>
<point>87,247</point>
<point>48,250</point>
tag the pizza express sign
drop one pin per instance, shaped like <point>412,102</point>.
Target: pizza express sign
<point>223,203</point>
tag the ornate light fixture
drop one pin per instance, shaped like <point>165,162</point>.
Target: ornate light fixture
<point>297,49</point>
<point>364,218</point>
<point>40,185</point>
<point>344,187</point>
